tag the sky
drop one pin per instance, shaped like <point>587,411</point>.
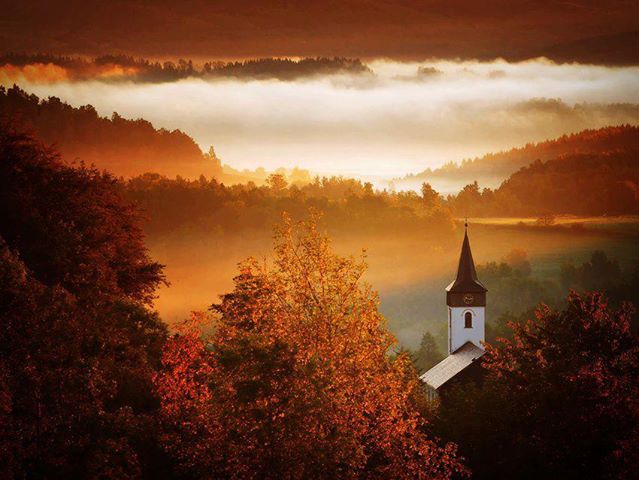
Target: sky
<point>575,30</point>
<point>404,118</point>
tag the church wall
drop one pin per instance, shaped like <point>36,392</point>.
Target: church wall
<point>458,335</point>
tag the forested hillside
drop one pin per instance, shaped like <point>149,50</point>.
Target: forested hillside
<point>124,147</point>
<point>495,167</point>
<point>92,385</point>
<point>581,184</point>
<point>206,205</point>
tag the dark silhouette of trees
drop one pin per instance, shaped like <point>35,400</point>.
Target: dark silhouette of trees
<point>78,344</point>
<point>125,147</point>
<point>70,225</point>
<point>582,184</point>
<point>427,355</point>
<point>504,164</point>
<point>559,399</point>
<point>124,67</point>
<point>349,205</point>
<point>430,197</point>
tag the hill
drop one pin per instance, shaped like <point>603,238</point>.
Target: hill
<point>582,184</point>
<point>604,183</point>
<point>496,167</point>
<point>124,147</point>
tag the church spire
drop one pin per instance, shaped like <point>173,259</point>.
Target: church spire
<point>466,281</point>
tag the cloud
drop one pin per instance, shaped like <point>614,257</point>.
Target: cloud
<point>513,29</point>
<point>379,125</point>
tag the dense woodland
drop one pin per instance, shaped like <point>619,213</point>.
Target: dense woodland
<point>579,184</point>
<point>503,164</point>
<point>122,67</point>
<point>543,183</point>
<point>294,378</point>
<point>127,147</point>
<point>123,147</point>
<point>208,206</point>
<point>93,387</point>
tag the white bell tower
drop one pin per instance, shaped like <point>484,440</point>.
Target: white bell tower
<point>466,300</point>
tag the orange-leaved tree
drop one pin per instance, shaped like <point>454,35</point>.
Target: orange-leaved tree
<point>295,381</point>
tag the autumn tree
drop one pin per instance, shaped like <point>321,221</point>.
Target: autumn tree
<point>559,399</point>
<point>277,182</point>
<point>296,381</point>
<point>78,343</point>
<point>430,196</point>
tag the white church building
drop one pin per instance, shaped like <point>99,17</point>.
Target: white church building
<point>466,300</point>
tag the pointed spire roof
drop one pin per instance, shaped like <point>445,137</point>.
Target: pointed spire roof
<point>466,281</point>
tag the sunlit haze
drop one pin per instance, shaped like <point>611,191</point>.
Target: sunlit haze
<point>404,118</point>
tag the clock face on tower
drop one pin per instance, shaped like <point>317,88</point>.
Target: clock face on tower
<point>468,299</point>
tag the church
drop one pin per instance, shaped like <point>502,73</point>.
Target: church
<point>466,300</point>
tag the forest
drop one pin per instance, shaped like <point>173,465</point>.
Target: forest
<point>605,184</point>
<point>124,67</point>
<point>499,166</point>
<point>295,355</point>
<point>319,240</point>
<point>105,374</point>
<point>122,146</point>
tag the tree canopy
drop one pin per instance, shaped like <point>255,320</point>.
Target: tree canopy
<point>559,400</point>
<point>295,381</point>
<point>78,344</point>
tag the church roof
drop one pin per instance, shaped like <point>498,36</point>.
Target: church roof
<point>452,365</point>
<point>466,281</point>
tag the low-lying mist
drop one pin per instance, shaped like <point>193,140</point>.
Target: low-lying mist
<point>410,271</point>
<point>403,118</point>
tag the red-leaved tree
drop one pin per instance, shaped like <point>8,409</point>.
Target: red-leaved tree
<point>560,400</point>
<point>296,381</point>
<point>78,343</point>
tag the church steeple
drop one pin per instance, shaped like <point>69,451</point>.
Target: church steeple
<point>466,281</point>
<point>466,300</point>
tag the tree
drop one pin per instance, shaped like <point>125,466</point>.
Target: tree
<point>429,196</point>
<point>277,182</point>
<point>428,354</point>
<point>296,382</point>
<point>518,260</point>
<point>70,225</point>
<point>559,399</point>
<point>78,344</point>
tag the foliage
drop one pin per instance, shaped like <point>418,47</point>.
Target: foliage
<point>71,226</point>
<point>428,355</point>
<point>559,399</point>
<point>126,147</point>
<point>123,67</point>
<point>296,382</point>
<point>604,274</point>
<point>604,183</point>
<point>349,205</point>
<point>504,164</point>
<point>78,345</point>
